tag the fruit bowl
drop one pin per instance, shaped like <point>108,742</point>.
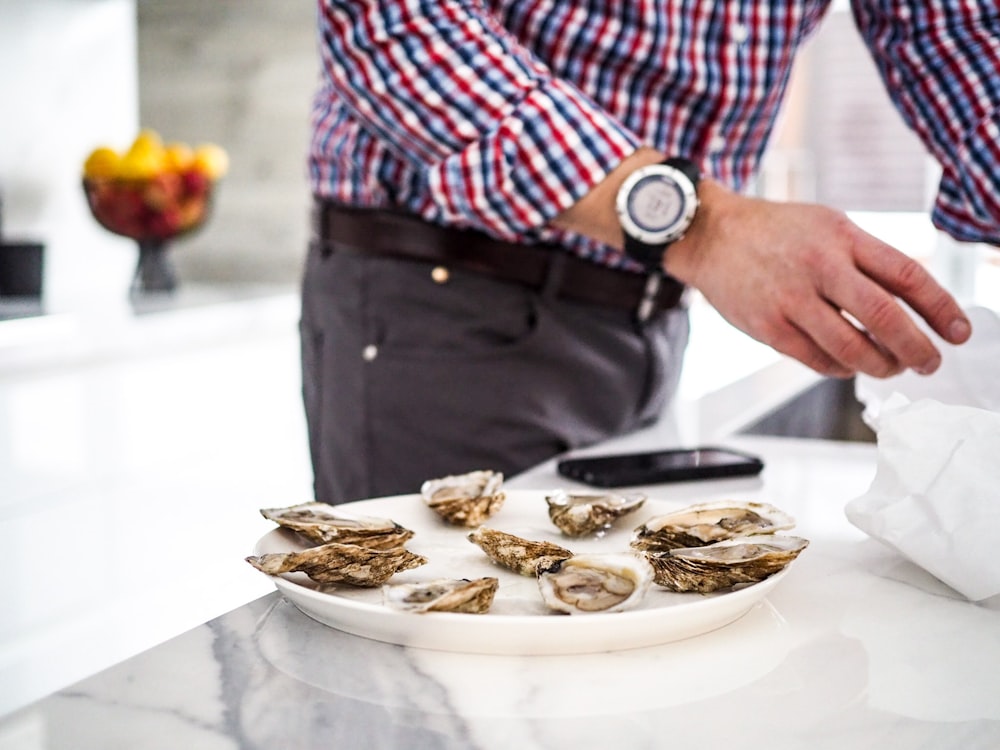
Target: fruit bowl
<point>153,193</point>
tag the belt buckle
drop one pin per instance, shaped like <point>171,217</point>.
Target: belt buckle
<point>647,303</point>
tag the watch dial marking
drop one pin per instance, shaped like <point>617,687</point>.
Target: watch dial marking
<point>655,203</point>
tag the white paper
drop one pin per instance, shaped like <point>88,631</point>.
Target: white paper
<point>936,494</point>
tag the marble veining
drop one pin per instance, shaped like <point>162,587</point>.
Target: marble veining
<point>855,648</point>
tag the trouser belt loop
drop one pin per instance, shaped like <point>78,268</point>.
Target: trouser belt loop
<point>647,303</point>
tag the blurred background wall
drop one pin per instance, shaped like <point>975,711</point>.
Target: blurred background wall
<point>239,73</point>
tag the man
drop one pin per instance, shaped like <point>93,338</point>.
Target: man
<point>511,196</point>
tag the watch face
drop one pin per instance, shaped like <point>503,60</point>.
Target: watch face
<point>655,203</point>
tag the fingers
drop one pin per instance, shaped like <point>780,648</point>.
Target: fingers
<point>910,281</point>
<point>847,344</point>
<point>824,339</point>
<point>797,344</point>
<point>886,277</point>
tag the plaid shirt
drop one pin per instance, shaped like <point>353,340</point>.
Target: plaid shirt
<point>499,114</point>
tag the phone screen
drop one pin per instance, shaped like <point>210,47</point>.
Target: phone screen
<point>656,467</point>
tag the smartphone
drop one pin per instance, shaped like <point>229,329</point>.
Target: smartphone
<point>656,467</point>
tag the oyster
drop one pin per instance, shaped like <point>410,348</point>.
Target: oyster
<point>340,563</point>
<point>520,555</point>
<point>465,499</point>
<point>319,523</point>
<point>705,523</point>
<point>595,583</point>
<point>724,564</point>
<point>579,514</point>
<point>442,595</point>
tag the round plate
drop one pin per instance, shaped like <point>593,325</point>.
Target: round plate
<point>518,622</point>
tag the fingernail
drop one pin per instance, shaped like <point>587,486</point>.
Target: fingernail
<point>959,330</point>
<point>928,367</point>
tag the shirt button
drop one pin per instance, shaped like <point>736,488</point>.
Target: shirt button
<point>440,274</point>
<point>369,353</point>
<point>717,144</point>
<point>740,33</point>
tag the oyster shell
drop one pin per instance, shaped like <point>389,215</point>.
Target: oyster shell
<point>595,583</point>
<point>706,523</point>
<point>319,523</point>
<point>724,564</point>
<point>340,563</point>
<point>465,499</point>
<point>520,555</point>
<point>579,514</point>
<point>442,595</point>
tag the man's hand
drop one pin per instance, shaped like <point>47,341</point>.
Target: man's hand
<point>807,281</point>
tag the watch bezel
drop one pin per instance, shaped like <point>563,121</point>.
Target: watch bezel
<point>676,228</point>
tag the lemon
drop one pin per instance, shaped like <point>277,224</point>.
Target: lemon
<point>103,161</point>
<point>211,160</point>
<point>147,140</point>
<point>178,156</point>
<point>140,165</point>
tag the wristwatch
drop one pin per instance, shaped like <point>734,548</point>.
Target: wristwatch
<point>656,205</point>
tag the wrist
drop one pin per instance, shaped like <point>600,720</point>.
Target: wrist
<point>687,254</point>
<point>594,215</point>
<point>656,206</point>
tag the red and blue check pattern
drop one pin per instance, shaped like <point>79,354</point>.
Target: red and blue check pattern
<point>499,114</point>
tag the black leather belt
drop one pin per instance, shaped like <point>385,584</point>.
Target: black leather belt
<point>389,233</point>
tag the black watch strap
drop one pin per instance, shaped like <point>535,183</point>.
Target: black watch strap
<point>686,166</point>
<point>649,256</point>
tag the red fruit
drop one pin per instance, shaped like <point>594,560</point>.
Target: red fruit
<point>195,183</point>
<point>164,224</point>
<point>192,212</point>
<point>161,191</point>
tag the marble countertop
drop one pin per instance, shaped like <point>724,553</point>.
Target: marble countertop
<point>854,648</point>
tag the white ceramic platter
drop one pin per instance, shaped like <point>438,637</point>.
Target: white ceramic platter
<point>518,622</point>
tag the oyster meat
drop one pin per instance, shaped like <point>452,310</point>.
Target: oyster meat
<point>724,564</point>
<point>520,555</point>
<point>442,595</point>
<point>706,523</point>
<point>579,514</point>
<point>595,583</point>
<point>340,563</point>
<point>319,523</point>
<point>465,499</point>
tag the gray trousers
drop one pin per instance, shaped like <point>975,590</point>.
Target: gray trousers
<point>406,378</point>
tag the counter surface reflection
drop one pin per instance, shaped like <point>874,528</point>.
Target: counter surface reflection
<point>855,648</point>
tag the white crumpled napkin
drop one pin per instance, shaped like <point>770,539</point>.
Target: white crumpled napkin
<point>936,493</point>
<point>969,374</point>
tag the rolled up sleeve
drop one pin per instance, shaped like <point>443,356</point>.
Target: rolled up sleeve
<point>499,143</point>
<point>940,63</point>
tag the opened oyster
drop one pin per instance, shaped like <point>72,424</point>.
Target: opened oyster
<point>340,563</point>
<point>577,514</point>
<point>465,499</point>
<point>319,523</point>
<point>707,523</point>
<point>595,583</point>
<point>442,595</point>
<point>724,564</point>
<point>520,555</point>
